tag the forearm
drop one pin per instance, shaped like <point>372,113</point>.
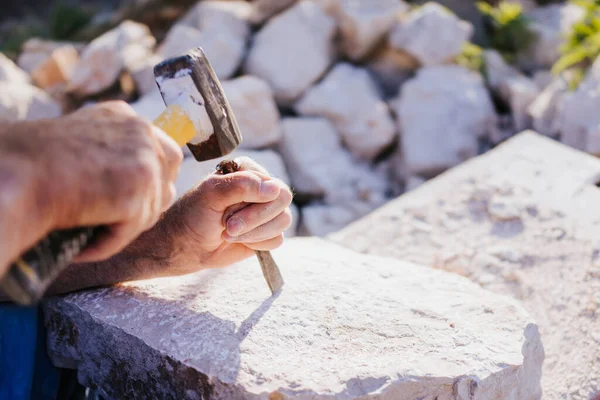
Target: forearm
<point>153,254</point>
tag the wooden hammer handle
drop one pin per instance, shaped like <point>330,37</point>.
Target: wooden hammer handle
<point>267,263</point>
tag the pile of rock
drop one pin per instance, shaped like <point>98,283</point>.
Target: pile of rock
<point>352,101</point>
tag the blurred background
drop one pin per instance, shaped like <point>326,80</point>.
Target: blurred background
<point>351,102</point>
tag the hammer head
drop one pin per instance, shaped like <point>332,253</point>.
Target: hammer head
<point>190,82</point>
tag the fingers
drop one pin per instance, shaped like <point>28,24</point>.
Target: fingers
<point>248,164</point>
<point>171,159</point>
<point>267,245</point>
<point>223,191</point>
<point>255,215</point>
<point>111,241</point>
<point>267,231</point>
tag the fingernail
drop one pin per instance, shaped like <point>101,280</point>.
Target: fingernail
<point>268,187</point>
<point>235,226</point>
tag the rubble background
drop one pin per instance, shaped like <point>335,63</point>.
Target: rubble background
<point>362,100</point>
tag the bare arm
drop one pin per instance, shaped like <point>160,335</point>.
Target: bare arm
<point>196,232</point>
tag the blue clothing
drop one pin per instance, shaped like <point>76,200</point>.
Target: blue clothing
<point>26,372</point>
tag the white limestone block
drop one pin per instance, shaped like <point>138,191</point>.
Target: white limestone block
<point>344,325</point>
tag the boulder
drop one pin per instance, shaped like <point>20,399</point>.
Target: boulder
<point>549,25</point>
<point>142,72</point>
<point>35,51</point>
<point>9,72</point>
<point>293,50</point>
<point>579,121</point>
<point>517,90</point>
<point>19,101</point>
<point>407,332</point>
<point>221,29</point>
<point>319,166</point>
<point>441,114</point>
<point>262,10</point>
<point>349,98</point>
<point>108,55</point>
<point>363,24</point>
<point>432,34</point>
<point>252,102</point>
<point>518,221</point>
<point>545,109</point>
<point>391,68</point>
<point>57,69</point>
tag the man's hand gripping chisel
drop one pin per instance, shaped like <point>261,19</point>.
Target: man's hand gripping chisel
<point>197,114</point>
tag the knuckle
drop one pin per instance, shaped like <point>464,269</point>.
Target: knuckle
<point>247,184</point>
<point>286,195</point>
<point>277,242</point>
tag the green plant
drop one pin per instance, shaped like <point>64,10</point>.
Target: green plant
<point>67,20</point>
<point>582,44</point>
<point>471,57</point>
<point>507,28</point>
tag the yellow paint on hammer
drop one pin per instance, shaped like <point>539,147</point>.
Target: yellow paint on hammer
<point>176,123</point>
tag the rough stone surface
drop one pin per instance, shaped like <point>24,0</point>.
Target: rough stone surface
<point>265,9</point>
<point>432,34</point>
<point>19,101</point>
<point>348,97</point>
<point>514,88</point>
<point>108,55</point>
<point>253,104</point>
<point>441,114</point>
<point>406,332</point>
<point>519,220</point>
<point>9,72</point>
<point>35,51</point>
<point>222,31</point>
<point>549,24</point>
<point>57,69</point>
<point>364,23</point>
<point>545,109</point>
<point>142,72</point>
<point>293,50</point>
<point>579,121</point>
<point>391,68</point>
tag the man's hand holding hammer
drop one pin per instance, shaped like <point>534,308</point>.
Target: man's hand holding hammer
<point>100,165</point>
<point>103,165</point>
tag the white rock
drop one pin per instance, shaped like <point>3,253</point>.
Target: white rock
<point>545,109</point>
<point>447,224</point>
<point>318,166</point>
<point>57,69</point>
<point>364,23</point>
<point>150,105</point>
<point>543,78</point>
<point>252,102</point>
<point>293,50</point>
<point>432,34</point>
<point>265,9</point>
<point>221,29</point>
<point>371,327</point>
<point>35,51</point>
<point>348,97</point>
<point>391,68</point>
<point>517,90</point>
<point>142,72</point>
<point>20,101</point>
<point>9,72</point>
<point>106,56</point>
<point>441,114</point>
<point>579,121</point>
<point>180,39</point>
<point>549,25</point>
<point>414,182</point>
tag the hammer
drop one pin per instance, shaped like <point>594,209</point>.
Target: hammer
<point>197,114</point>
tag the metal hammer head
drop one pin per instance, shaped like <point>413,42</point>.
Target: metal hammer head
<point>190,82</point>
